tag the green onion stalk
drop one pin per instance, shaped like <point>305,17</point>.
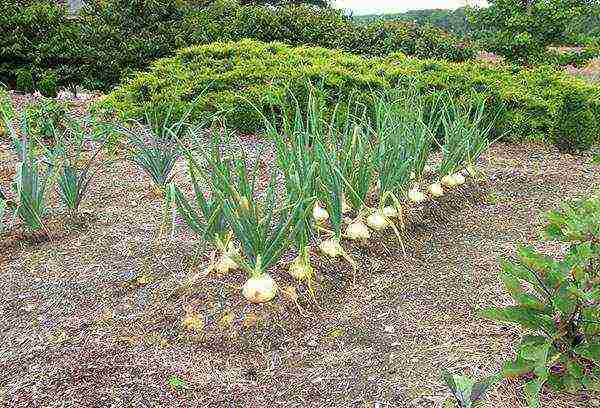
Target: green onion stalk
<point>392,161</point>
<point>262,229</point>
<point>358,176</point>
<point>456,125</point>
<point>31,181</point>
<point>330,192</point>
<point>478,132</point>
<point>296,160</point>
<point>205,216</point>
<point>75,172</point>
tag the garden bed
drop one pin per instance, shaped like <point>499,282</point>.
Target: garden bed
<point>116,313</point>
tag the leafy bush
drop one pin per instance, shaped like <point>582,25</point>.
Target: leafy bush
<point>540,104</point>
<point>521,31</point>
<point>24,81</point>
<point>110,39</point>
<point>48,84</point>
<point>557,304</point>
<point>37,36</point>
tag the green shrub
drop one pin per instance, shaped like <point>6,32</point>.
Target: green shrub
<point>557,305</point>
<point>24,81</point>
<point>540,104</point>
<point>47,84</point>
<point>237,78</point>
<point>110,39</point>
<point>37,36</point>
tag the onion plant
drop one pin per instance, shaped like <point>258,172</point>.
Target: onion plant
<point>297,161</point>
<point>68,159</point>
<point>262,229</point>
<point>205,215</point>
<point>153,146</point>
<point>466,137</point>
<point>32,176</point>
<point>392,159</point>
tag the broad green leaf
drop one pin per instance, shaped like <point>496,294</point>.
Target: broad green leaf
<point>589,351</point>
<point>532,392</point>
<point>517,368</point>
<point>528,318</point>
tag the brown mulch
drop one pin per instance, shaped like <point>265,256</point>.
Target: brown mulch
<point>96,318</point>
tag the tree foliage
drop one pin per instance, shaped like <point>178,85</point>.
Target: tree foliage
<point>520,30</point>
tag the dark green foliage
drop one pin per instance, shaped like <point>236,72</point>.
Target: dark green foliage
<point>557,303</point>
<point>575,128</point>
<point>537,102</point>
<point>110,39</point>
<point>521,30</point>
<point>47,84</point>
<point>24,81</point>
<point>453,21</point>
<point>36,36</point>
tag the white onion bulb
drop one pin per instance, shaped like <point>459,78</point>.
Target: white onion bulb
<point>416,196</point>
<point>390,211</point>
<point>448,181</point>
<point>299,269</point>
<point>320,214</point>
<point>459,179</point>
<point>358,230</point>
<point>226,262</point>
<point>331,247</point>
<point>377,221</point>
<point>260,289</point>
<point>436,190</point>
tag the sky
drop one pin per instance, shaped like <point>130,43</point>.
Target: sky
<point>391,6</point>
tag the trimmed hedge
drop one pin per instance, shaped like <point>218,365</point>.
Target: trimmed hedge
<point>540,104</point>
<point>110,39</point>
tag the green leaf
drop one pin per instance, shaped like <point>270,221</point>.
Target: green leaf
<point>528,318</point>
<point>589,351</point>
<point>517,368</point>
<point>535,348</point>
<point>532,392</point>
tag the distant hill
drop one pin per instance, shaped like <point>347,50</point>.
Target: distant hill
<point>454,21</point>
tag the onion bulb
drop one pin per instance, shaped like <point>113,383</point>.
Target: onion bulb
<point>331,247</point>
<point>377,221</point>
<point>416,196</point>
<point>436,190</point>
<point>260,289</point>
<point>448,181</point>
<point>320,214</point>
<point>226,262</point>
<point>390,211</point>
<point>358,230</point>
<point>300,268</point>
<point>459,179</point>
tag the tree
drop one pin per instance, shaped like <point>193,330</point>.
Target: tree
<point>520,30</point>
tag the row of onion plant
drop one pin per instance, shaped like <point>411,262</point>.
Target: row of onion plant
<point>342,174</point>
<point>64,161</point>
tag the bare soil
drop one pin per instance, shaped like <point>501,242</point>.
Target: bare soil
<point>113,313</point>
